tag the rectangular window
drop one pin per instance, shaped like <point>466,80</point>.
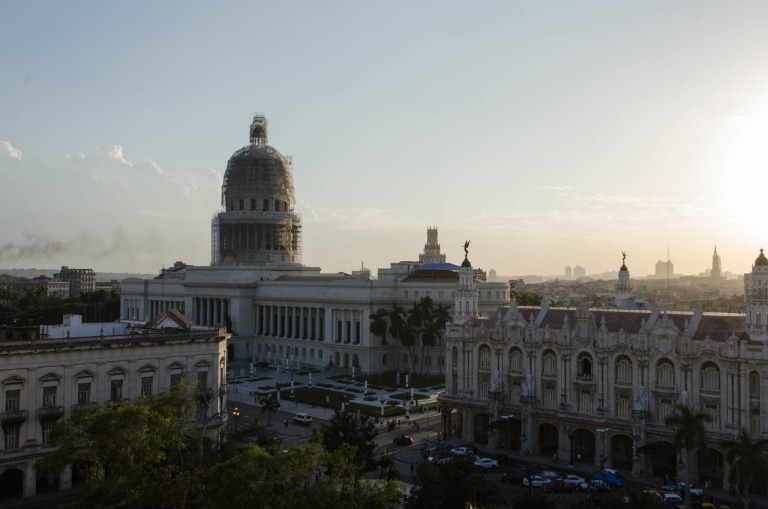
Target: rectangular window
<point>116,390</point>
<point>11,432</point>
<point>47,426</point>
<point>83,393</point>
<point>623,405</point>
<point>202,380</point>
<point>12,399</point>
<point>175,379</point>
<point>549,396</point>
<point>585,401</point>
<point>146,385</point>
<point>49,396</point>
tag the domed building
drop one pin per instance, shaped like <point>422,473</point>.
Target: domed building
<point>258,225</point>
<point>756,297</point>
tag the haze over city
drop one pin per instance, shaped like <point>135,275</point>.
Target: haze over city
<point>550,134</point>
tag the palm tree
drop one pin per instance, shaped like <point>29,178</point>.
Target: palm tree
<point>379,324</point>
<point>690,435</point>
<point>269,404</point>
<point>397,328</point>
<point>748,458</point>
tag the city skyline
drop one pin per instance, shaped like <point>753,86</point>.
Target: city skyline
<point>549,135</point>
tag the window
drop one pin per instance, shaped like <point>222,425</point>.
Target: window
<point>624,370</point>
<point>49,396</point>
<point>175,379</point>
<point>146,385</point>
<point>710,377</point>
<point>47,426</point>
<point>484,357</point>
<point>116,390</point>
<point>549,396</point>
<point>549,364</point>
<point>665,373</point>
<point>585,401</point>
<point>516,360</point>
<point>585,366</point>
<point>664,409</point>
<point>202,380</point>
<point>83,393</point>
<point>714,411</point>
<point>12,398</point>
<point>11,432</point>
<point>623,405</point>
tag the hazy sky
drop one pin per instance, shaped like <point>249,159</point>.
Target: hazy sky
<point>548,133</point>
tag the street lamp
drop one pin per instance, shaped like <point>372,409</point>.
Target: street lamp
<point>382,400</point>
<point>236,414</point>
<point>603,456</point>
<point>507,418</point>
<point>569,432</point>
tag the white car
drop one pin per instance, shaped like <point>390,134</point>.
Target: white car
<point>486,463</point>
<point>462,450</point>
<point>535,480</point>
<point>577,480</point>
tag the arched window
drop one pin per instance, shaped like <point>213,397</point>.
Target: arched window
<point>754,385</point>
<point>319,354</point>
<point>665,373</point>
<point>710,377</point>
<point>516,359</point>
<point>585,365</point>
<point>623,370</point>
<point>484,357</point>
<point>549,363</point>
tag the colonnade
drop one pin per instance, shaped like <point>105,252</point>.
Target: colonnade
<point>210,311</point>
<point>158,306</point>
<point>296,322</point>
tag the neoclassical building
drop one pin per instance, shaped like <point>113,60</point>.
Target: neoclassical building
<point>44,380</point>
<point>599,383</point>
<point>280,310</point>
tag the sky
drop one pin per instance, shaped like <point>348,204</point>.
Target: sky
<point>549,134</point>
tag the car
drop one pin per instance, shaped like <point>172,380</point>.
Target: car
<point>486,463</point>
<point>597,486</point>
<point>577,481</point>
<point>549,474</point>
<point>462,450</point>
<point>512,477</point>
<point>672,499</point>
<point>262,364</point>
<point>609,476</point>
<point>302,418</point>
<point>559,486</point>
<point>535,480</point>
<point>471,447</point>
<point>438,459</point>
<point>403,440</point>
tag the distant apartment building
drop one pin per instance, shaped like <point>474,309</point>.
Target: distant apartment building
<point>664,269</point>
<point>52,288</point>
<point>568,271</point>
<point>80,280</point>
<point>579,271</point>
<point>49,377</point>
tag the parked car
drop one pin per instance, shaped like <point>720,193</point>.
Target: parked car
<point>462,450</point>
<point>609,476</point>
<point>535,480</point>
<point>597,486</point>
<point>559,486</point>
<point>549,474</point>
<point>471,447</point>
<point>403,440</point>
<point>438,459</point>
<point>486,463</point>
<point>577,481</point>
<point>672,499</point>
<point>302,418</point>
<point>512,477</point>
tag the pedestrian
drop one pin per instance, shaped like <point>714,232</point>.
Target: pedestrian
<point>578,457</point>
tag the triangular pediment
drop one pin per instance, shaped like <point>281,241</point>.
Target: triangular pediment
<point>147,367</point>
<point>176,366</point>
<point>50,377</point>
<point>86,373</point>
<point>13,380</point>
<point>116,372</point>
<point>203,364</point>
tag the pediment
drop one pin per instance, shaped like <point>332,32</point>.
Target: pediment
<point>203,364</point>
<point>116,372</point>
<point>176,366</point>
<point>147,367</point>
<point>86,373</point>
<point>13,380</point>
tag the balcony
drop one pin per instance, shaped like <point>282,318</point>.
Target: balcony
<point>49,412</point>
<point>665,388</point>
<point>585,380</point>
<point>13,416</point>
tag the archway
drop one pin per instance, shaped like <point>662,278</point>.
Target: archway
<point>230,353</point>
<point>664,457</point>
<point>548,438</point>
<point>481,428</point>
<point>584,446</point>
<point>11,484</point>
<point>508,430</point>
<point>711,463</point>
<point>47,481</point>
<point>621,451</point>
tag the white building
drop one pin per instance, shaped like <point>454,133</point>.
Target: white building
<point>600,383</point>
<point>280,310</point>
<point>48,379</point>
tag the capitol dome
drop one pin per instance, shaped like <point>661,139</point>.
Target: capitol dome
<point>761,260</point>
<point>258,225</point>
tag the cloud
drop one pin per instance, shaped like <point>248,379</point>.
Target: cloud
<point>9,151</point>
<point>102,209</point>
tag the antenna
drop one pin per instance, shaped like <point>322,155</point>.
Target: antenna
<point>667,272</point>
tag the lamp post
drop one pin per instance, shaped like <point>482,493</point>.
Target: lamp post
<point>236,414</point>
<point>382,400</point>
<point>603,456</point>
<point>507,418</point>
<point>570,446</point>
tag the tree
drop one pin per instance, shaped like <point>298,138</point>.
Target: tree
<point>451,485</point>
<point>397,328</point>
<point>379,324</point>
<point>690,435</point>
<point>748,458</point>
<point>133,455</point>
<point>269,404</point>
<point>347,428</point>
